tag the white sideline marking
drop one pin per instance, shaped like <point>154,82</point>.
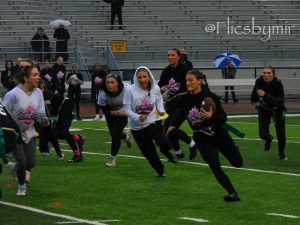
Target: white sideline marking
<point>196,163</point>
<point>72,222</point>
<point>194,219</point>
<point>77,220</point>
<point>75,129</point>
<point>283,215</point>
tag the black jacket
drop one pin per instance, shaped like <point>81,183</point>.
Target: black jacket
<point>188,107</point>
<point>40,43</point>
<point>274,97</point>
<point>96,87</point>
<point>178,74</point>
<point>60,82</point>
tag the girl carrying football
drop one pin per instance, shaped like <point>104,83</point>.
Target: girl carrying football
<point>208,133</point>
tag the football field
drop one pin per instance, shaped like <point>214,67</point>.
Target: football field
<point>131,194</point>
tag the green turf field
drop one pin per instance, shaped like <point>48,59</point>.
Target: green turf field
<point>131,194</point>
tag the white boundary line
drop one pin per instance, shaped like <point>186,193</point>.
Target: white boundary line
<point>194,219</point>
<point>283,215</point>
<point>196,163</point>
<point>51,214</point>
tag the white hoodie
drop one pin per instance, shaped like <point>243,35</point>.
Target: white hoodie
<point>138,101</point>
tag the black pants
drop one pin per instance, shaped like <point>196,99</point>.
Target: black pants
<point>209,148</point>
<point>97,107</point>
<point>116,12</point>
<point>116,126</point>
<point>145,139</point>
<point>74,93</point>
<point>62,132</point>
<point>232,93</point>
<point>47,135</point>
<point>264,119</point>
<point>177,134</point>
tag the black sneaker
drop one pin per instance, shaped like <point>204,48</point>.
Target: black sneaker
<point>193,152</point>
<point>282,157</point>
<point>268,143</point>
<point>161,175</point>
<point>232,198</point>
<point>171,157</point>
<point>76,159</point>
<point>180,155</point>
<point>80,143</point>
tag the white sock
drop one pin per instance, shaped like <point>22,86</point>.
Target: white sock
<point>192,143</point>
<point>178,152</point>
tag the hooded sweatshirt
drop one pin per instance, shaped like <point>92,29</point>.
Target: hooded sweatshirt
<point>138,101</point>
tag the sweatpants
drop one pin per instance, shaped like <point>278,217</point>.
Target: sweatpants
<point>145,139</point>
<point>116,126</point>
<point>210,147</point>
<point>264,120</point>
<point>26,159</point>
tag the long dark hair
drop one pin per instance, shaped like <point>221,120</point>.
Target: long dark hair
<point>23,72</point>
<point>120,85</point>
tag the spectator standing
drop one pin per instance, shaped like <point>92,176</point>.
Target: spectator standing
<point>144,106</point>
<point>98,78</point>
<point>229,73</point>
<point>184,59</point>
<point>116,10</point>
<point>111,103</point>
<point>75,80</point>
<point>40,45</point>
<point>25,103</point>
<point>268,92</point>
<point>62,35</point>
<point>59,72</point>
<point>6,75</point>
<point>47,76</point>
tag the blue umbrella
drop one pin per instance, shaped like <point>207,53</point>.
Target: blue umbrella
<point>220,60</point>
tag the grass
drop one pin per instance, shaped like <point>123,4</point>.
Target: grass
<point>132,194</point>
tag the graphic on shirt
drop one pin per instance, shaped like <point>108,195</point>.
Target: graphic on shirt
<point>98,80</point>
<point>173,86</point>
<point>27,116</point>
<point>48,77</point>
<point>60,75</point>
<point>144,106</point>
<point>194,117</point>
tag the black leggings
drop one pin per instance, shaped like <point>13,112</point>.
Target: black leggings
<point>74,93</point>
<point>144,139</point>
<point>264,119</point>
<point>47,135</point>
<point>209,150</point>
<point>116,126</point>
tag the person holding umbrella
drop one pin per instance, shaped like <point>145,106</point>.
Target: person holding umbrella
<point>229,73</point>
<point>62,35</point>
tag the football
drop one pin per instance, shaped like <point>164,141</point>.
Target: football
<point>207,103</point>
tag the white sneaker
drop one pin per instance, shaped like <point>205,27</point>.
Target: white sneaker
<point>97,117</point>
<point>27,176</point>
<point>13,169</point>
<point>45,153</point>
<point>21,190</point>
<point>111,162</point>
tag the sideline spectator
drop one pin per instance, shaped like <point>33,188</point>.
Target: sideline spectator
<point>40,45</point>
<point>62,35</point>
<point>269,94</point>
<point>25,103</point>
<point>47,76</point>
<point>7,75</point>
<point>59,71</point>
<point>209,134</point>
<point>111,103</point>
<point>75,80</point>
<point>98,78</point>
<point>229,73</point>
<point>144,107</point>
<point>184,59</point>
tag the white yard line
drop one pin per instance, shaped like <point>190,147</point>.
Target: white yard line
<point>194,219</point>
<point>77,220</point>
<point>283,215</point>
<point>74,222</point>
